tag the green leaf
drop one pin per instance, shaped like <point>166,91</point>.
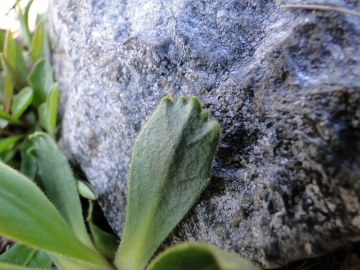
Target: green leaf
<point>2,41</point>
<point>196,256</point>
<point>11,74</point>
<point>106,243</point>
<point>8,91</point>
<point>28,167</point>
<point>41,80</point>
<point>170,167</point>
<point>21,63</point>
<point>10,50</point>
<point>8,266</point>
<point>58,183</point>
<point>24,256</point>
<point>38,43</point>
<point>23,204</point>
<point>23,17</point>
<point>48,111</point>
<point>21,102</point>
<point>7,142</point>
<point>86,190</point>
<point>5,116</point>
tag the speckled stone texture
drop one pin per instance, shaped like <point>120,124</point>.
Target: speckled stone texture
<point>283,84</point>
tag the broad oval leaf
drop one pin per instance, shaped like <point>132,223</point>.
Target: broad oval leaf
<point>196,256</point>
<point>41,80</point>
<point>25,256</point>
<point>23,204</point>
<point>21,102</point>
<point>170,167</point>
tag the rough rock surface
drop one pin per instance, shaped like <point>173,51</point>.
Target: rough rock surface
<point>284,85</point>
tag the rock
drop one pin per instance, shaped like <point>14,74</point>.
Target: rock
<point>283,84</point>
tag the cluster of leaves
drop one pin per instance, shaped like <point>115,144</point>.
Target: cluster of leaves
<point>41,209</point>
<point>28,93</point>
<point>170,167</point>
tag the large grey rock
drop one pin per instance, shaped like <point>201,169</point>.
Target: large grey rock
<point>284,85</point>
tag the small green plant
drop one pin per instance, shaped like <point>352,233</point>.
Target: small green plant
<point>28,93</point>
<point>170,167</point>
<point>41,209</point>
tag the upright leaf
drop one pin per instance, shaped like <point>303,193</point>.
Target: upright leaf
<point>21,102</point>
<point>170,167</point>
<point>28,167</point>
<point>38,43</point>
<point>25,256</point>
<point>23,204</point>
<point>2,41</point>
<point>196,256</point>
<point>23,17</point>
<point>59,184</point>
<point>48,111</point>
<point>104,242</point>
<point>10,50</point>
<point>41,80</point>
<point>21,63</point>
<point>11,74</point>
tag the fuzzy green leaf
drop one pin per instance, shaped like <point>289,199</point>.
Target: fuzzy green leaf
<point>38,43</point>
<point>24,256</point>
<point>21,102</point>
<point>58,183</point>
<point>23,203</point>
<point>41,80</point>
<point>196,256</point>
<point>170,167</point>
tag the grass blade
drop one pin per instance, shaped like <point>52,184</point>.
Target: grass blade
<point>23,203</point>
<point>196,256</point>
<point>170,167</point>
